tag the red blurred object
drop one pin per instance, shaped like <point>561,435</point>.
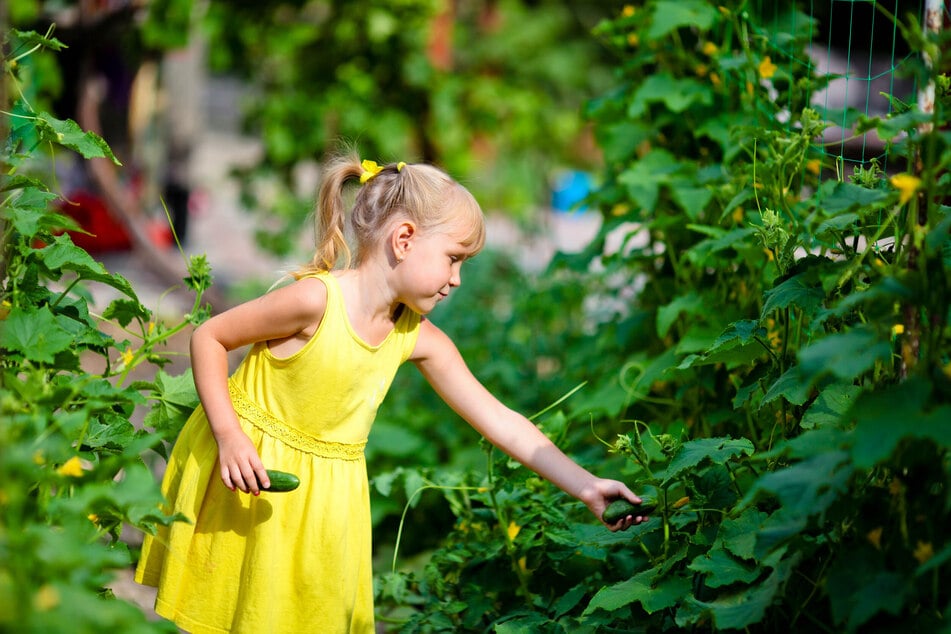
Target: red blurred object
<point>91,213</point>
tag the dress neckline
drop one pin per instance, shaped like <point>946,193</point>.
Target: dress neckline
<point>346,317</point>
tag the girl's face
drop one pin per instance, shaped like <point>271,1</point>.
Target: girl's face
<point>432,267</point>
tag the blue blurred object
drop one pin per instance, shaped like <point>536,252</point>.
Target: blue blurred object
<point>569,188</point>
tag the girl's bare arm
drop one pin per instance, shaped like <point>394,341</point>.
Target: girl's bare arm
<point>294,310</point>
<point>442,365</point>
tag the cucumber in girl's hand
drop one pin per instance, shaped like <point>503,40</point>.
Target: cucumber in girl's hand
<point>619,509</point>
<point>281,481</point>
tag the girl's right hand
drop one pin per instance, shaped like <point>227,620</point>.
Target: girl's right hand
<point>241,467</point>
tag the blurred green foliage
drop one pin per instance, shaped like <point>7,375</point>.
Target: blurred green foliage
<point>490,90</point>
<point>764,349</point>
<point>72,473</point>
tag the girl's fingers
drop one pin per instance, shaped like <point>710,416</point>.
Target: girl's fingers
<point>239,480</point>
<point>226,477</point>
<point>261,475</point>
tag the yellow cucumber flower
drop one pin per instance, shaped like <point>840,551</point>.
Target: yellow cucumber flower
<point>72,468</point>
<point>767,68</point>
<point>907,185</point>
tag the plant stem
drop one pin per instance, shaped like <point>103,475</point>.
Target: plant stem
<point>509,544</point>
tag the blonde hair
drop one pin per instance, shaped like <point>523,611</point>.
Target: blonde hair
<point>419,192</point>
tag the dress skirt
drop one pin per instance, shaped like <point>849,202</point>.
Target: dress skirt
<point>289,562</point>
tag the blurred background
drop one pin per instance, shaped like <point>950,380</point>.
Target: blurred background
<point>222,112</point>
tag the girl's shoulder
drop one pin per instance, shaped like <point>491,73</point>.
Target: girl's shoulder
<point>312,292</point>
<point>302,300</point>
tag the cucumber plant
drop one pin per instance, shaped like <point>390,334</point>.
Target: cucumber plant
<point>785,337</point>
<point>73,474</point>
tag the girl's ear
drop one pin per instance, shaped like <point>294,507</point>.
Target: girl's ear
<point>402,239</point>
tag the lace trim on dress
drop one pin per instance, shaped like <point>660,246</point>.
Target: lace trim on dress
<point>273,426</point>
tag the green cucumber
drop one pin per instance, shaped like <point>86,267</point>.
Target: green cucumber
<point>619,509</point>
<point>281,481</point>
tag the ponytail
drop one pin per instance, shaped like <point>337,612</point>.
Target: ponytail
<point>330,216</point>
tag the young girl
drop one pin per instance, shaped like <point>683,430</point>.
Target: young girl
<point>325,349</point>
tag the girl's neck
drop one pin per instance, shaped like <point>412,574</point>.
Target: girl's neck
<point>368,295</point>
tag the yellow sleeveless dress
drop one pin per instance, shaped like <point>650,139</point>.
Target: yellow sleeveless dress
<point>281,562</point>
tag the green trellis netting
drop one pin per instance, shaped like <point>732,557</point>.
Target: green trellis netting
<point>862,53</point>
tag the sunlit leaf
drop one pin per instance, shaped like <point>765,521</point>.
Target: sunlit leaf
<point>68,134</point>
<point>175,398</point>
<point>66,256</point>
<point>830,406</point>
<point>34,334</point>
<point>125,310</point>
<point>696,452</point>
<point>32,38</point>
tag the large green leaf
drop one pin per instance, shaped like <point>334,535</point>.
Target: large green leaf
<point>800,291</point>
<point>29,213</point>
<point>894,124</point>
<point>111,433</point>
<point>675,93</point>
<point>778,529</point>
<point>736,610</point>
<point>720,568</point>
<point>738,534</point>
<point>738,343</point>
<point>125,310</point>
<point>674,14</point>
<point>743,331</point>
<point>845,355</point>
<point>63,255</point>
<point>830,406</point>
<point>645,177</point>
<point>696,452</point>
<point>689,303</point>
<point>793,385</point>
<point>68,134</point>
<point>35,334</point>
<point>642,588</point>
<point>175,398</point>
<point>884,418</point>
<point>860,586</point>
<point>838,197</point>
<point>693,200</point>
<point>721,241</point>
<point>809,486</point>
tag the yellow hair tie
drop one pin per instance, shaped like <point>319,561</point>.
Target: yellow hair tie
<point>370,169</point>
<point>400,166</point>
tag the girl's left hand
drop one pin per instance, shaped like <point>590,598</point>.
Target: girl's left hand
<point>602,492</point>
